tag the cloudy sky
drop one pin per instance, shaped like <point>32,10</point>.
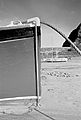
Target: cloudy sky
<point>63,14</point>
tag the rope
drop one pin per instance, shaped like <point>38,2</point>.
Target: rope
<point>44,114</point>
<point>63,35</point>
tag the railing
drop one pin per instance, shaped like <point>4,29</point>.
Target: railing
<point>60,52</point>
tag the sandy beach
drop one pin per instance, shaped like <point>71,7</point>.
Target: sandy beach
<point>61,94</point>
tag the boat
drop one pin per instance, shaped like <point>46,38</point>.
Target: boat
<point>60,59</point>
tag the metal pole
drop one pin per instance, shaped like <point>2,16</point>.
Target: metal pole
<point>37,64</point>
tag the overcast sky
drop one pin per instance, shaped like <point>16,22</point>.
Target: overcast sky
<point>63,14</point>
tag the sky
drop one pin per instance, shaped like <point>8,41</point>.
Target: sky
<point>65,15</point>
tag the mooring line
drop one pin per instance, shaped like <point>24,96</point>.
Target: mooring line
<point>44,114</point>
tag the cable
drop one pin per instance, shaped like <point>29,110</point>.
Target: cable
<point>44,114</point>
<point>63,35</point>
